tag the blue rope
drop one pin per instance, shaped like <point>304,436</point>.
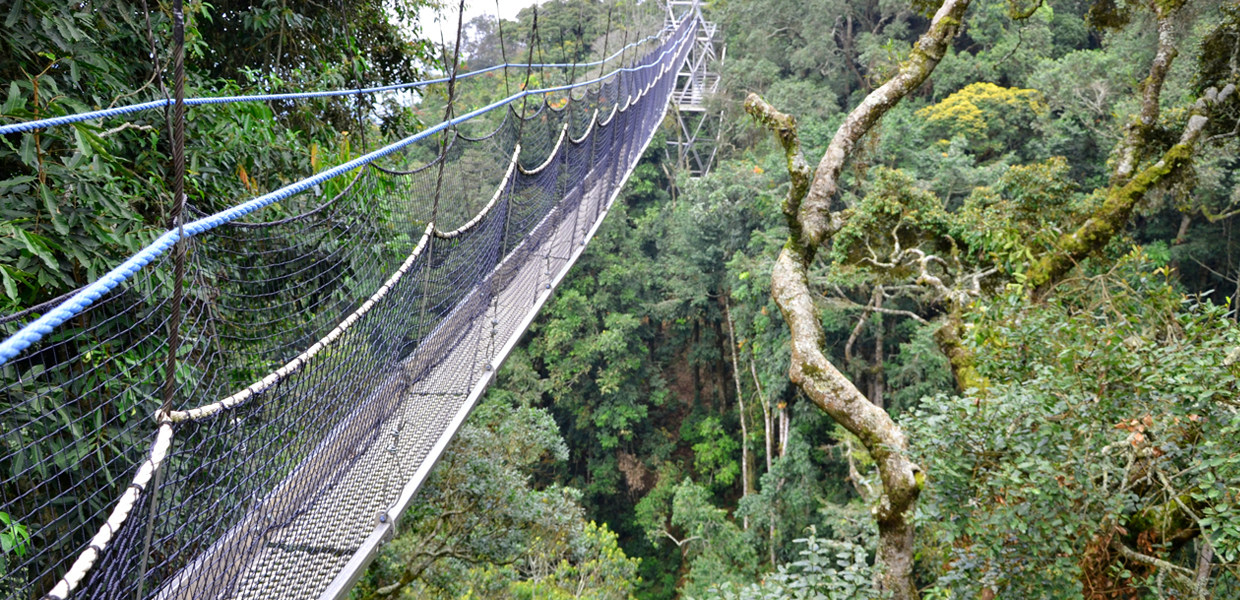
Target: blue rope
<point>124,110</point>
<point>44,325</point>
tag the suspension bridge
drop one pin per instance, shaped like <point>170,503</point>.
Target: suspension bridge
<point>320,345</point>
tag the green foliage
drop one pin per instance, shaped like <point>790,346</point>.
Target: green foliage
<point>984,169</point>
<point>1023,213</point>
<point>595,569</point>
<point>782,49</point>
<point>1219,49</point>
<point>918,369</point>
<point>829,570</point>
<point>714,547</point>
<point>14,540</point>
<point>993,119</point>
<point>715,456</point>
<point>894,214</point>
<point>481,526</point>
<point>78,199</point>
<point>1108,422</point>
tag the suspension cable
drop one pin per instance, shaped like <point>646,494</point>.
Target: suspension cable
<point>503,52</point>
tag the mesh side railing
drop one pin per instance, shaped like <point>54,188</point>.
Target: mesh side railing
<point>325,358</point>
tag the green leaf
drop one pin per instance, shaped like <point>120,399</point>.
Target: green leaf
<point>15,97</point>
<point>16,181</point>
<point>14,14</point>
<point>37,246</point>
<point>27,151</point>
<point>10,284</point>
<point>49,203</point>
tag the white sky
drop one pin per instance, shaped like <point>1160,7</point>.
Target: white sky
<point>434,22</point>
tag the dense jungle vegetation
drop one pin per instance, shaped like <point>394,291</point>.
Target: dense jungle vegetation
<point>963,327</point>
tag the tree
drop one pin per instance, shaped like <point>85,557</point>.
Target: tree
<point>80,198</point>
<point>810,224</point>
<point>1094,465</point>
<point>829,570</point>
<point>900,236</point>
<point>480,525</point>
<point>714,548</point>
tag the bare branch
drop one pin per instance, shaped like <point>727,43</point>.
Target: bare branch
<point>1205,559</point>
<point>680,543</point>
<point>846,303</point>
<point>123,127</point>
<point>856,332</point>
<point>1180,573</point>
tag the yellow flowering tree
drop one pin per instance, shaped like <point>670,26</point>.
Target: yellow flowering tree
<point>992,118</point>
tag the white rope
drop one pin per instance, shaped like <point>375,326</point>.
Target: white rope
<point>615,109</point>
<point>550,157</point>
<point>590,128</point>
<point>494,200</point>
<point>81,567</point>
<point>194,414</point>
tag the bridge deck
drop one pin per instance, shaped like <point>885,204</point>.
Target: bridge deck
<point>334,530</point>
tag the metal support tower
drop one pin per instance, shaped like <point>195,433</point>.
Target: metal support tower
<point>697,127</point>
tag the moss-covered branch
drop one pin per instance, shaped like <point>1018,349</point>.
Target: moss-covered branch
<point>815,212</point>
<point>1113,215</point>
<point>785,128</point>
<point>962,362</point>
<point>1136,133</point>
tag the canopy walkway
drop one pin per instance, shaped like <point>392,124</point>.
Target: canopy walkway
<point>322,343</point>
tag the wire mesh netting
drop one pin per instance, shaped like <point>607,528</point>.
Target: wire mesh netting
<point>322,358</point>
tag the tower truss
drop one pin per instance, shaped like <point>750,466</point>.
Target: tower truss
<point>697,125</point>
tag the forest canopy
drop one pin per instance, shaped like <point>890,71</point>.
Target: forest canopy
<point>953,315</point>
<point>1025,264</point>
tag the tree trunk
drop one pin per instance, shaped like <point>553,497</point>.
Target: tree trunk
<point>746,481</point>
<point>1235,300</point>
<point>876,385</point>
<point>783,430</point>
<point>771,545</point>
<point>766,412</point>
<point>766,420</point>
<point>1181,236</point>
<point>810,224</point>
<point>698,396</point>
<point>720,382</point>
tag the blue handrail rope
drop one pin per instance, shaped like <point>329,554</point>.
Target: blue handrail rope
<point>44,325</point>
<point>134,108</point>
